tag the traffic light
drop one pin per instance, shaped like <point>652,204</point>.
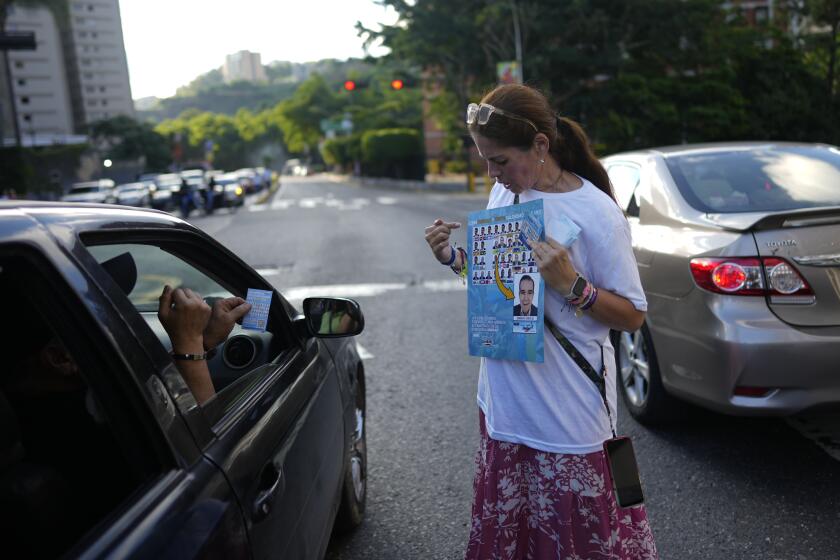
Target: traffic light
<point>349,85</point>
<point>397,84</point>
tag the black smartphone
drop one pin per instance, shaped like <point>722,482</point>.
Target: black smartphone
<point>621,460</point>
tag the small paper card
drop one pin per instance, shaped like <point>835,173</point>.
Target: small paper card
<point>563,230</point>
<point>257,317</point>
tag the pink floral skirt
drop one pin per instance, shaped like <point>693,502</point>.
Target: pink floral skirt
<point>536,504</point>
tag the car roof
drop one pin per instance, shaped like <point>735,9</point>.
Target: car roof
<point>86,217</point>
<point>684,149</point>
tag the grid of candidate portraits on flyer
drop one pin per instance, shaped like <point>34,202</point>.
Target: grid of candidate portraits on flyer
<point>500,241</point>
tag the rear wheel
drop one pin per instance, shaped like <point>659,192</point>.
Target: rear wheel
<point>352,508</point>
<point>639,377</point>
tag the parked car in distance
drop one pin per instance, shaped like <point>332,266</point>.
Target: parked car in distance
<point>145,177</point>
<point>166,185</point>
<point>737,247</point>
<point>101,191</point>
<point>249,179</point>
<point>228,191</point>
<point>134,194</point>
<point>104,446</point>
<point>296,167</point>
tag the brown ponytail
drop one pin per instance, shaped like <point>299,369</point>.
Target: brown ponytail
<point>573,152</point>
<point>568,144</point>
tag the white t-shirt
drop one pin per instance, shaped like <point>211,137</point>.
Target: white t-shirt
<point>553,406</point>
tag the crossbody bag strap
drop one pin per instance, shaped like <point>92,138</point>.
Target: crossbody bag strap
<point>600,381</point>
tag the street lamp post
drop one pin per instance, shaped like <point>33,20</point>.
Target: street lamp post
<point>517,34</point>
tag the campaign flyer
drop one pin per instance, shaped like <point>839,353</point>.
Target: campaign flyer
<point>257,317</point>
<point>504,288</point>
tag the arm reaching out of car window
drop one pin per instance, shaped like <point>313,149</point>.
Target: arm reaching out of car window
<point>185,315</point>
<point>226,312</point>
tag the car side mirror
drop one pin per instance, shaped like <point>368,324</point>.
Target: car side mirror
<point>333,317</point>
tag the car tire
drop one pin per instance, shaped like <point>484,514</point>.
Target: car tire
<point>351,512</point>
<point>639,379</point>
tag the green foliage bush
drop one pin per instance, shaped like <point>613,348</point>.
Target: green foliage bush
<point>390,144</point>
<point>342,150</point>
<point>393,152</point>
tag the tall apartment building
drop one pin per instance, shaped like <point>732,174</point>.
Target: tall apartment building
<point>243,65</point>
<point>96,62</point>
<point>78,73</point>
<point>39,82</point>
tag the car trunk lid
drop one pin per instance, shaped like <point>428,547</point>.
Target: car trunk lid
<point>810,242</point>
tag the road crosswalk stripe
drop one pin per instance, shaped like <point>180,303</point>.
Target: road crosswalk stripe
<point>313,202</point>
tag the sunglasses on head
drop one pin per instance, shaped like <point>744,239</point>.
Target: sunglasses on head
<point>480,113</point>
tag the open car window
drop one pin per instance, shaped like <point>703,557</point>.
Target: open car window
<point>154,268</point>
<point>238,364</point>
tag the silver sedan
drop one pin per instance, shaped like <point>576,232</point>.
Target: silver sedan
<point>738,247</point>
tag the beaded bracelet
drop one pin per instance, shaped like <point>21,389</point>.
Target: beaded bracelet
<point>452,256</point>
<point>584,301</point>
<point>463,272</point>
<point>591,301</point>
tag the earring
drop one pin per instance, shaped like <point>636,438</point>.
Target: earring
<point>542,161</point>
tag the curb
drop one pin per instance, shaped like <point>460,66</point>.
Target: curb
<point>266,196</point>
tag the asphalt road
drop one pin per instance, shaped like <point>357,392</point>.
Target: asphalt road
<point>717,487</point>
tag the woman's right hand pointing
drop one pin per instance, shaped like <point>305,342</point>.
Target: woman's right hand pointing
<point>437,236</point>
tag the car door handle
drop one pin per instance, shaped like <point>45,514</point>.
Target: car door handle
<point>273,477</point>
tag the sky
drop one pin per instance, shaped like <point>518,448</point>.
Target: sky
<point>168,43</point>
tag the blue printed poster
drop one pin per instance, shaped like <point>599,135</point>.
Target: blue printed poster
<point>504,288</point>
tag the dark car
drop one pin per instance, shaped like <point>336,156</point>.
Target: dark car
<point>104,451</point>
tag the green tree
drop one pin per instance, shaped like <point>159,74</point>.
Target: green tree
<point>202,83</point>
<point>126,139</point>
<point>300,116</point>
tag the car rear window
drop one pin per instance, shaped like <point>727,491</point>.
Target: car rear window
<point>761,179</point>
<point>85,190</point>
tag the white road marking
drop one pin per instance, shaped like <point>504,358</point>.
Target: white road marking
<point>340,290</point>
<point>268,271</point>
<point>281,203</point>
<point>297,294</point>
<point>329,201</point>
<point>363,352</point>
<point>310,202</point>
<point>453,285</point>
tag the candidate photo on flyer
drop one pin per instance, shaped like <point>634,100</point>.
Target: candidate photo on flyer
<point>525,295</point>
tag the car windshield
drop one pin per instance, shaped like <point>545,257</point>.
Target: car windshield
<point>762,179</point>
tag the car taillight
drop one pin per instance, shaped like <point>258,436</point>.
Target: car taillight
<point>739,276</point>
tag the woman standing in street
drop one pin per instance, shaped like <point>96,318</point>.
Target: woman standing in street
<point>542,486</point>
